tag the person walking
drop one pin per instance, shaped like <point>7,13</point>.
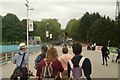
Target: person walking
<point>118,51</point>
<point>50,66</point>
<point>22,62</point>
<point>105,53</point>
<point>79,59</point>
<point>64,60</point>
<point>41,56</point>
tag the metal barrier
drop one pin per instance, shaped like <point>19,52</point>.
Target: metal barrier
<point>8,56</point>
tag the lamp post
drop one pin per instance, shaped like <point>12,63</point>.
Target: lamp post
<point>27,5</point>
<point>47,32</point>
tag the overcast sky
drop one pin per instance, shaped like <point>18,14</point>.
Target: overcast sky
<point>63,10</point>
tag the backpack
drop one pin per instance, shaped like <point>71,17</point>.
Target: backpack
<point>118,51</point>
<point>107,52</point>
<point>47,71</point>
<point>77,71</point>
<point>41,56</point>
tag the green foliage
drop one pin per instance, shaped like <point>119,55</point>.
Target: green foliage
<point>72,28</point>
<point>51,25</point>
<point>118,27</point>
<point>100,32</point>
<point>11,30</point>
<point>1,29</point>
<point>94,28</point>
<point>15,30</point>
<point>89,28</point>
<point>78,29</point>
<point>86,21</point>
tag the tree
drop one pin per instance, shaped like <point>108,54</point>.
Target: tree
<point>11,30</point>
<point>118,27</point>
<point>51,25</point>
<point>94,28</point>
<point>78,29</point>
<point>86,21</point>
<point>1,29</point>
<point>72,28</point>
<point>100,32</point>
<point>23,35</point>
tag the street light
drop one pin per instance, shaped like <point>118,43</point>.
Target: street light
<point>27,5</point>
<point>47,32</point>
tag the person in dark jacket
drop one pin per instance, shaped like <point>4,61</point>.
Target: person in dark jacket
<point>41,56</point>
<point>105,53</point>
<point>118,51</point>
<point>86,66</point>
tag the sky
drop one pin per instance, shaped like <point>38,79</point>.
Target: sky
<point>63,10</point>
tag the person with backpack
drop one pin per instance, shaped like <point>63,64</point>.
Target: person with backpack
<point>118,51</point>
<point>79,63</point>
<point>21,60</point>
<point>105,53</point>
<point>40,56</point>
<point>50,67</point>
<point>64,60</point>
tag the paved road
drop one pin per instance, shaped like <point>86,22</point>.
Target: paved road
<point>98,70</point>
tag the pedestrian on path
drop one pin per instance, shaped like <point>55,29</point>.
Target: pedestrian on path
<point>21,62</point>
<point>105,53</point>
<point>76,61</point>
<point>40,56</point>
<point>50,67</point>
<point>64,60</point>
<point>118,51</point>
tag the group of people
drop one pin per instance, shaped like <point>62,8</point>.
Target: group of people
<point>61,64</point>
<point>49,65</point>
<point>91,46</point>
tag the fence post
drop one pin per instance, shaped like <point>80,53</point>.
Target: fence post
<point>12,55</point>
<point>6,57</point>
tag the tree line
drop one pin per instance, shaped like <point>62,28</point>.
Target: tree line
<point>14,30</point>
<point>90,28</point>
<point>94,28</point>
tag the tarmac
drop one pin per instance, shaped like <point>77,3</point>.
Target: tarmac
<point>98,70</point>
